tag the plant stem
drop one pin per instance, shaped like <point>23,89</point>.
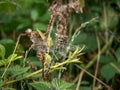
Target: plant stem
<point>40,71</point>
<point>109,88</point>
<point>93,61</point>
<point>97,62</point>
<point>12,55</point>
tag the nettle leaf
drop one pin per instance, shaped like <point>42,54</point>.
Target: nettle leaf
<point>2,51</point>
<point>41,85</point>
<point>116,66</point>
<point>60,85</point>
<point>107,72</point>
<point>106,59</point>
<point>80,39</point>
<point>17,70</point>
<point>9,46</point>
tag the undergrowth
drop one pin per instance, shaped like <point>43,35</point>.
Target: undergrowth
<point>60,55</point>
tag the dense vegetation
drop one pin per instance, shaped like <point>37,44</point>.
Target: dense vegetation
<point>88,60</point>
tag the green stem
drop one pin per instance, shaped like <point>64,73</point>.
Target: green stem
<point>40,71</point>
<point>93,61</point>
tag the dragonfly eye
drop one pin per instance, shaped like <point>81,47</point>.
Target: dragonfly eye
<point>28,31</point>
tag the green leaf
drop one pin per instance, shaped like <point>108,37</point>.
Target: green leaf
<point>60,85</point>
<point>45,17</point>
<point>17,70</point>
<point>24,22</point>
<point>8,7</point>
<point>108,72</point>
<point>86,39</point>
<point>34,15</point>
<point>2,62</point>
<point>79,39</point>
<point>35,61</point>
<point>41,85</point>
<point>2,51</point>
<point>6,41</point>
<point>9,46</point>
<point>40,26</point>
<point>116,66</point>
<point>11,58</point>
<point>90,42</point>
<point>82,5</point>
<point>112,23</point>
<point>106,59</point>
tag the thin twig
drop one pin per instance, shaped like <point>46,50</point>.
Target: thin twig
<point>94,59</point>
<point>83,25</point>
<point>18,39</point>
<point>79,80</point>
<point>98,60</point>
<point>115,67</point>
<point>107,86</point>
<point>26,53</point>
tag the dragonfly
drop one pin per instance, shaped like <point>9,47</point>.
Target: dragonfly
<point>42,45</point>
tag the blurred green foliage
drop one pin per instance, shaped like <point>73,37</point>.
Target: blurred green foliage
<point>18,15</point>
